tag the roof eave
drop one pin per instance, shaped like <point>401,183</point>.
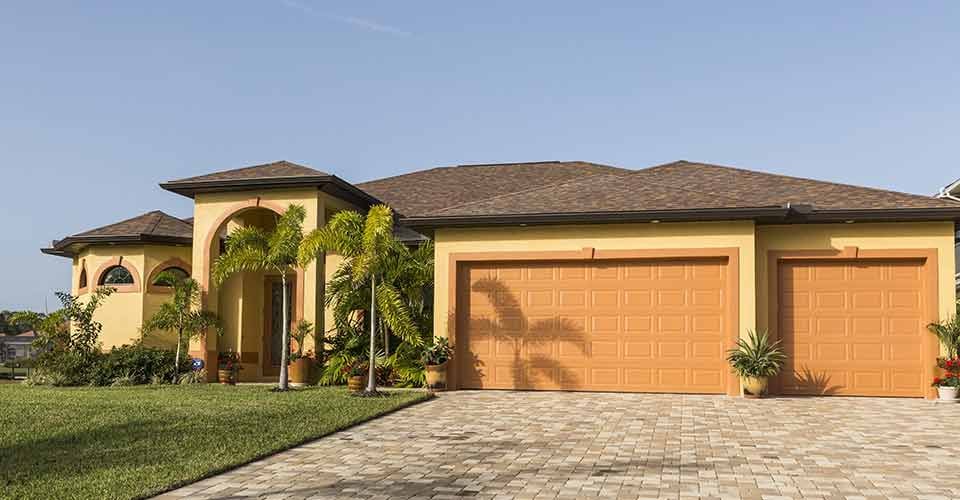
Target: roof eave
<point>330,184</point>
<point>62,248</point>
<point>764,213</point>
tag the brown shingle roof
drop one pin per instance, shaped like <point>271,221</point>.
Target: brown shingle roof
<point>278,174</point>
<point>698,191</point>
<point>759,188</point>
<point>273,170</point>
<point>151,227</point>
<point>428,191</point>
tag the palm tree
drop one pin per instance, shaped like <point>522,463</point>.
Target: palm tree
<point>181,314</point>
<point>250,248</point>
<point>367,245</point>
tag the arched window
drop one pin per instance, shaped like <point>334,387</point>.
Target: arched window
<point>174,272</point>
<point>116,275</point>
<point>83,278</point>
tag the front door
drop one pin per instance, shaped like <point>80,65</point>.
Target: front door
<point>273,322</point>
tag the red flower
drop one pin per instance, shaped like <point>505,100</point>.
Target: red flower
<point>937,380</point>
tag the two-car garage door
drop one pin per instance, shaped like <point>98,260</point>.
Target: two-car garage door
<point>848,327</point>
<point>646,325</point>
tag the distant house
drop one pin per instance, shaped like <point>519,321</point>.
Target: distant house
<point>952,192</point>
<point>16,346</point>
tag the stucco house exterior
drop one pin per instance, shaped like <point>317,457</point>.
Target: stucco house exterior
<point>580,276</point>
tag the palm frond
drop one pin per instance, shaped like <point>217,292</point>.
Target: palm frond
<point>239,259</point>
<point>284,241</point>
<point>393,311</point>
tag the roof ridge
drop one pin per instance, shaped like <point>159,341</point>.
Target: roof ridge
<point>470,165</point>
<point>537,188</point>
<point>807,179</point>
<point>156,223</point>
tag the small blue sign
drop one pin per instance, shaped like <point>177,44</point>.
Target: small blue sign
<point>197,364</point>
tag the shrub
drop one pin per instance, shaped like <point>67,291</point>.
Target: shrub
<point>756,356</point>
<point>193,377</point>
<point>136,363</point>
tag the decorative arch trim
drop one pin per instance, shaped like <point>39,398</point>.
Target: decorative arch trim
<point>119,261</point>
<point>163,266</point>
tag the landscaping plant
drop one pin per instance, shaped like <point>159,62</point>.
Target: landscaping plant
<point>182,314</point>
<point>951,375</point>
<point>755,356</point>
<point>437,353</point>
<point>250,248</point>
<point>301,333</point>
<point>67,339</point>
<point>371,254</point>
<point>948,331</point>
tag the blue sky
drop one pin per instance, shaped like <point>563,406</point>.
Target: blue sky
<point>100,101</point>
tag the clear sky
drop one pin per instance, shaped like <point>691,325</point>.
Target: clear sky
<point>100,101</point>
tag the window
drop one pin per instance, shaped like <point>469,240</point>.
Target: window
<point>117,275</point>
<point>178,274</point>
<point>83,278</point>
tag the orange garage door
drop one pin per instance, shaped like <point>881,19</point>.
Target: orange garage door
<point>853,328</point>
<point>645,326</point>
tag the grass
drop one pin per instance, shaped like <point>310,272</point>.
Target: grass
<point>130,442</point>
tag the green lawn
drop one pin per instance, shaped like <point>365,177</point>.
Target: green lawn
<point>129,442</point>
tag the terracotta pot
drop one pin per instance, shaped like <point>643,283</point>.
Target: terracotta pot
<point>947,394</point>
<point>356,383</point>
<point>227,377</point>
<point>300,372</point>
<point>437,376</point>
<point>754,387</point>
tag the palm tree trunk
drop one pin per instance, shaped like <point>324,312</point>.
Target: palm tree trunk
<point>372,374</point>
<point>176,362</point>
<point>285,340</point>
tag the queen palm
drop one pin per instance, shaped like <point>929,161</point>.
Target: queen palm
<point>251,248</point>
<point>367,244</point>
<point>182,314</point>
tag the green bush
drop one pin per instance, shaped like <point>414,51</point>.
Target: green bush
<point>68,367</point>
<point>134,365</point>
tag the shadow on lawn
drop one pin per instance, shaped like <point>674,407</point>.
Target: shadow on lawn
<point>106,447</point>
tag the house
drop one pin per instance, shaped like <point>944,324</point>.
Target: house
<point>580,276</point>
<point>16,346</point>
<point>952,192</point>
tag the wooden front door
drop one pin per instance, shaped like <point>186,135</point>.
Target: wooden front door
<point>273,322</point>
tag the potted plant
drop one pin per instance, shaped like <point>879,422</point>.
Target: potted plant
<point>948,385</point>
<point>435,358</point>
<point>228,366</point>
<point>301,363</point>
<point>755,359</point>
<point>356,376</point>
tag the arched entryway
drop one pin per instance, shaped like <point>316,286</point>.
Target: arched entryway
<point>247,302</point>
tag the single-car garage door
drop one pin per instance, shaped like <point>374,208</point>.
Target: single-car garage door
<point>645,326</point>
<point>853,327</point>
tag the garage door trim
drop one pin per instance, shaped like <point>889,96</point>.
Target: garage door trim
<point>457,262</point>
<point>928,256</point>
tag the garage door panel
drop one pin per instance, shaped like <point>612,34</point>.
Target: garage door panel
<point>634,325</point>
<point>863,333</point>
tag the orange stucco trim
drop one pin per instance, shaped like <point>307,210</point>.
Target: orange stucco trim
<point>119,261</point>
<point>206,263</point>
<point>732,254</point>
<point>159,268</point>
<point>84,278</point>
<point>931,349</point>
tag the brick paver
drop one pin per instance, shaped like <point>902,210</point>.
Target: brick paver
<point>532,445</point>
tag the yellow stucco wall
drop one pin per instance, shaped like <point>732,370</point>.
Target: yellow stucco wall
<point>868,236</point>
<point>122,314</point>
<point>738,235</point>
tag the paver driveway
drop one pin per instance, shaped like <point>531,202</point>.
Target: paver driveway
<point>495,444</point>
